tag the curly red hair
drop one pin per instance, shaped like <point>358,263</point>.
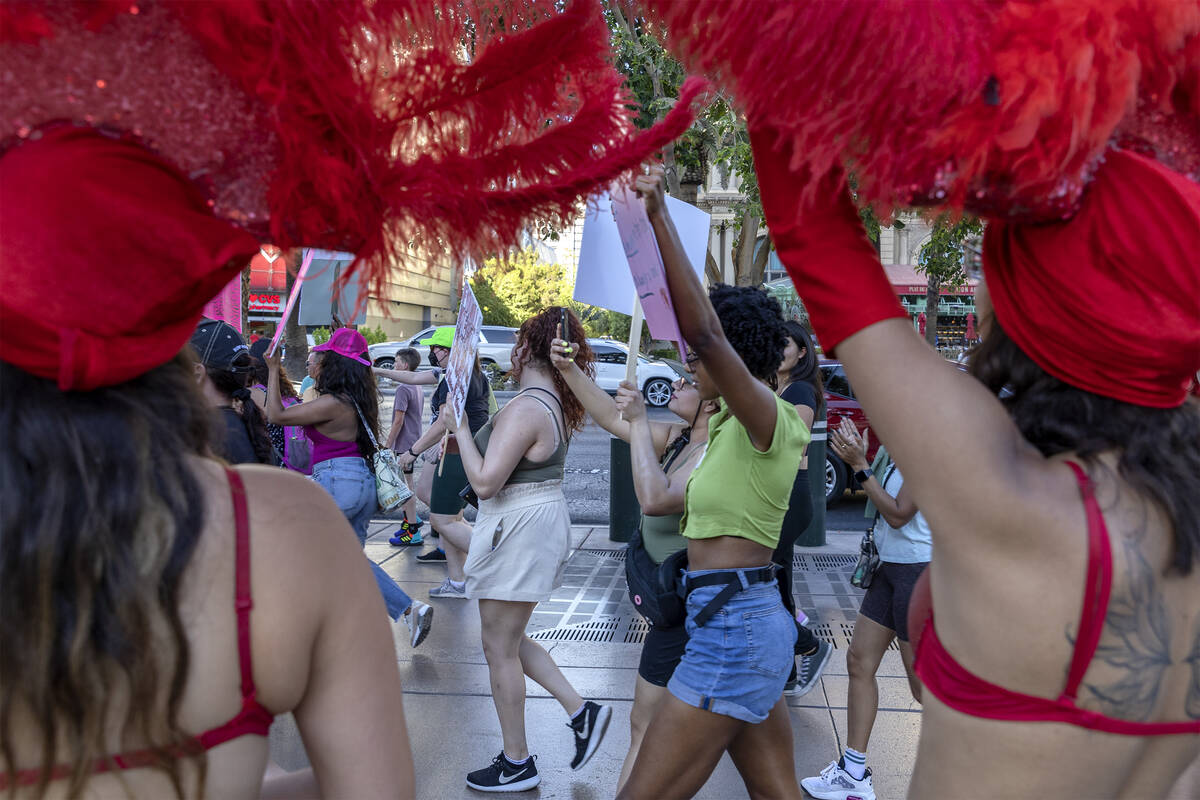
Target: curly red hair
<point>533,346</point>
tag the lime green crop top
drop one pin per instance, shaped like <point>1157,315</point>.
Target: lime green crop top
<point>737,490</point>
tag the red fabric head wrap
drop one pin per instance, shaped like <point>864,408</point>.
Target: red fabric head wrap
<point>1108,301</point>
<point>107,256</point>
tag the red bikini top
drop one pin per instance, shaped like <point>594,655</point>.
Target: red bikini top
<point>253,719</point>
<point>974,696</point>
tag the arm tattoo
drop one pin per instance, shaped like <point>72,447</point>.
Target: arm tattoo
<point>1138,646</point>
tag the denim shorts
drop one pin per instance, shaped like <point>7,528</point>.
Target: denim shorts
<point>738,662</point>
<point>352,487</point>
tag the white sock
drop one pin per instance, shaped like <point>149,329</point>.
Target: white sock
<point>514,762</point>
<point>855,763</point>
<point>461,585</point>
<point>580,711</point>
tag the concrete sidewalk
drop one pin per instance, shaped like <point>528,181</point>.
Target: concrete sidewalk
<point>595,636</point>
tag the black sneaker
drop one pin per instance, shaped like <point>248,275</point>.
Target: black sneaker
<point>505,776</point>
<point>589,728</point>
<point>810,669</point>
<point>432,557</point>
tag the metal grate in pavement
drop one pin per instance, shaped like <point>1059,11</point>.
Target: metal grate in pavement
<point>821,563</point>
<point>618,555</point>
<point>638,628</point>
<point>595,631</point>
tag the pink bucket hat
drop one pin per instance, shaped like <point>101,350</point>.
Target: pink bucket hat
<point>349,343</point>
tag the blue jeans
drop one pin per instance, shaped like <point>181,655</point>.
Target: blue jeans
<point>738,662</point>
<point>352,487</point>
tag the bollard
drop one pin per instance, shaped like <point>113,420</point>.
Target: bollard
<point>624,511</point>
<point>814,534</point>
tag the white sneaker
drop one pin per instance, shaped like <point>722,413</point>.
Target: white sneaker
<point>418,619</point>
<point>834,783</point>
<point>447,590</point>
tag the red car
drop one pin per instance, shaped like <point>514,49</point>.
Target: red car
<point>839,403</point>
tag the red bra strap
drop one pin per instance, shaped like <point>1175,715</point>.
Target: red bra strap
<point>1097,589</point>
<point>242,598</point>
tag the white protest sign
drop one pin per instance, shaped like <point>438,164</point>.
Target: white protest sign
<point>603,278</point>
<point>327,293</point>
<point>462,353</point>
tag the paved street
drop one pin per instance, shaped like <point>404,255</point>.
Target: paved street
<point>594,634</point>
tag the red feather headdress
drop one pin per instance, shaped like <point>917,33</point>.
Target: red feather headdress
<point>998,106</point>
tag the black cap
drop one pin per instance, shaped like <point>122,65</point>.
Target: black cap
<point>220,346</point>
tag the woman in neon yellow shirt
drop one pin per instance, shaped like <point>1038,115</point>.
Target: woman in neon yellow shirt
<point>727,692</point>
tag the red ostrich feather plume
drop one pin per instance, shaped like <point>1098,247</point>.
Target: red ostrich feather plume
<point>364,125</point>
<point>998,106</point>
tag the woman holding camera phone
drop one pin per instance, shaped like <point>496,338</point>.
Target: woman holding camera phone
<point>520,544</point>
<point>663,457</point>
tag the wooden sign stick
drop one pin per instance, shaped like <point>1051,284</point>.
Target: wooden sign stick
<point>635,342</point>
<point>442,457</point>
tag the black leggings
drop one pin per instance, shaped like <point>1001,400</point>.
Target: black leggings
<point>799,514</point>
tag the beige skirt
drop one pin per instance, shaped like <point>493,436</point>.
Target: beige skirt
<point>520,544</point>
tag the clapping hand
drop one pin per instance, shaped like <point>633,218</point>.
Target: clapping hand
<point>849,446</point>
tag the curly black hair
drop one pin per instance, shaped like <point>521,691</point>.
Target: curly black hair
<point>753,325</point>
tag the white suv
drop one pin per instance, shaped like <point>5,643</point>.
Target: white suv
<point>495,347</point>
<point>655,377</point>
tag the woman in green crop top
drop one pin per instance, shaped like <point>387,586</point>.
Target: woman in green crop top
<point>520,543</point>
<point>726,694</point>
<point>663,455</point>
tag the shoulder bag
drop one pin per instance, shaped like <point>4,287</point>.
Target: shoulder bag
<point>390,487</point>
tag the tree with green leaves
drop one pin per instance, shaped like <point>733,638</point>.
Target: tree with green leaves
<point>941,261</point>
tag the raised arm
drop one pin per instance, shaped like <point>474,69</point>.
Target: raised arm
<point>426,378</point>
<point>658,493</point>
<point>749,399</point>
<point>597,402</point>
<point>894,372</point>
<point>314,412</point>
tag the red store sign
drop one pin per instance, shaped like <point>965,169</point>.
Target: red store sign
<point>266,301</point>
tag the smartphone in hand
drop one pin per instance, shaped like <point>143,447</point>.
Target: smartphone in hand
<point>566,324</point>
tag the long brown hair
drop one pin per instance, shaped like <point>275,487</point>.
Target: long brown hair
<point>533,346</point>
<point>99,518</point>
<point>1156,447</point>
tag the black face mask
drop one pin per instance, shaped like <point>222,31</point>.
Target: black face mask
<point>432,359</point>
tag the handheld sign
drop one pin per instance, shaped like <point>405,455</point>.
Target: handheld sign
<point>463,351</point>
<point>327,294</point>
<point>599,281</point>
<point>645,267</point>
<point>291,302</point>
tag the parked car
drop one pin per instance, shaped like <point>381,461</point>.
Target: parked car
<point>654,377</point>
<point>495,347</point>
<point>839,403</point>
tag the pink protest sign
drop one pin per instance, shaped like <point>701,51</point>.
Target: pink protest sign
<point>291,302</point>
<point>645,265</point>
<point>227,305</point>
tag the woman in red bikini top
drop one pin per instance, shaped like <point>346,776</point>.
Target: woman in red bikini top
<point>1063,654</point>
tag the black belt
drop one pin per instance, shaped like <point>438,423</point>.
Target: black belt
<point>731,580</point>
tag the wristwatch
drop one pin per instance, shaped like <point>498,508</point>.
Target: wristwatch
<point>410,452</point>
<point>863,475</point>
